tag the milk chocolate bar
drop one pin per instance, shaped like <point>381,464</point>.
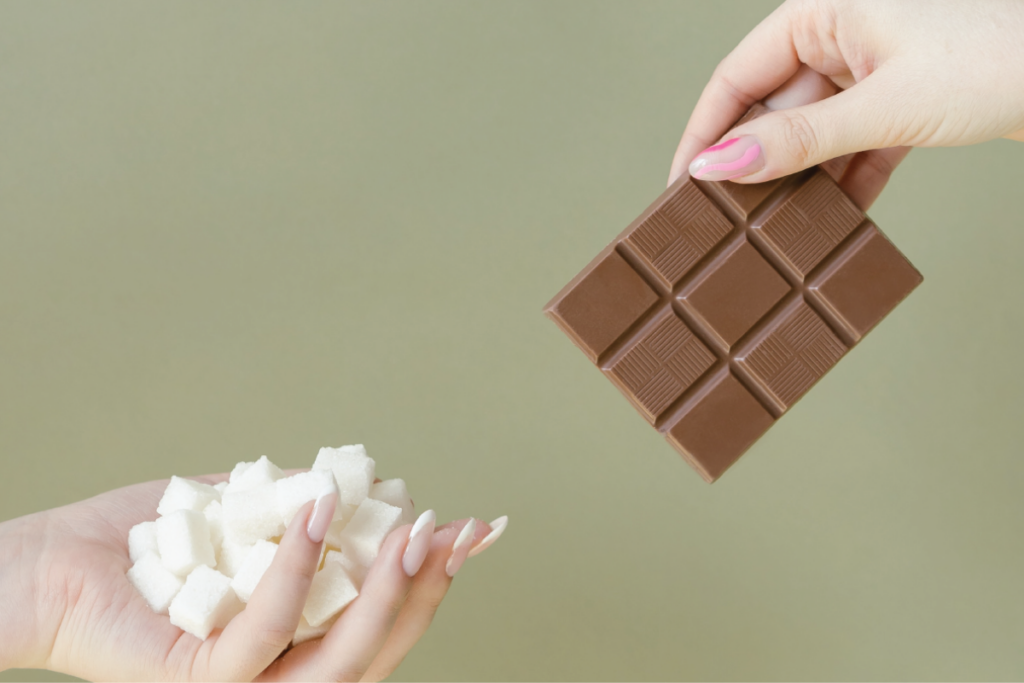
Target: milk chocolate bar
<point>722,304</point>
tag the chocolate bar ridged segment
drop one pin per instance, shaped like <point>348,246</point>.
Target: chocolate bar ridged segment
<point>736,293</point>
<point>797,351</point>
<point>719,426</point>
<point>867,281</point>
<point>812,221</point>
<point>679,233</point>
<point>661,365</point>
<point>601,303</point>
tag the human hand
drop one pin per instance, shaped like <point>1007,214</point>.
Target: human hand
<point>73,609</point>
<point>866,77</point>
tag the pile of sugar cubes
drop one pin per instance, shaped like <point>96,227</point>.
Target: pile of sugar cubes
<point>201,560</point>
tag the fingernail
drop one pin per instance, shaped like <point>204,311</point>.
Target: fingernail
<point>321,516</point>
<point>419,543</point>
<point>461,548</point>
<point>497,529</point>
<point>733,158</point>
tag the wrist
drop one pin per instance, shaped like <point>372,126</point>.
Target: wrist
<point>24,595</point>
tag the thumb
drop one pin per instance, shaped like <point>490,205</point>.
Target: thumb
<point>787,141</point>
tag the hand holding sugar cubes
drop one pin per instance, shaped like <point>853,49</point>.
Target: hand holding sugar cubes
<point>201,560</point>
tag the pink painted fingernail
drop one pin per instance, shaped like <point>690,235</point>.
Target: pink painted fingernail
<point>497,529</point>
<point>461,548</point>
<point>419,543</point>
<point>321,516</point>
<point>734,158</point>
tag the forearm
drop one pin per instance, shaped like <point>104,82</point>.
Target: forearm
<point>23,596</point>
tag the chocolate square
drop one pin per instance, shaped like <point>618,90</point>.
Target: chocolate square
<point>665,361</point>
<point>601,303</point>
<point>736,293</point>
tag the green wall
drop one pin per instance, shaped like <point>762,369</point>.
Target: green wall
<point>230,229</point>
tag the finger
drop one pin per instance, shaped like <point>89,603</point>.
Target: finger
<point>348,649</point>
<point>762,62</point>
<point>868,173</point>
<point>783,142</point>
<point>255,638</point>
<point>803,87</point>
<point>428,590</point>
<point>1017,135</point>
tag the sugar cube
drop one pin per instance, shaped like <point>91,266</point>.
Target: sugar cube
<point>352,468</point>
<point>220,487</point>
<point>183,538</point>
<point>185,494</point>
<point>394,492</point>
<point>248,475</point>
<point>306,632</point>
<point>142,540</point>
<point>157,585</point>
<point>329,593</point>
<point>214,513</point>
<point>253,568</point>
<point>295,491</point>
<point>365,533</point>
<point>251,515</point>
<point>204,603</point>
<point>231,556</point>
<point>334,531</point>
<point>356,572</point>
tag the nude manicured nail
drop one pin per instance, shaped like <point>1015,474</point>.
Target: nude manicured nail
<point>497,529</point>
<point>461,548</point>
<point>419,543</point>
<point>321,516</point>
<point>734,158</point>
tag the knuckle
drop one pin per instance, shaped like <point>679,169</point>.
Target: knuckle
<point>346,675</point>
<point>800,138</point>
<point>426,604</point>
<point>272,639</point>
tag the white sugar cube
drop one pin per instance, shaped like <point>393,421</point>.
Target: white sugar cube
<point>251,515</point>
<point>356,572</point>
<point>365,533</point>
<point>394,492</point>
<point>295,491</point>
<point>204,603</point>
<point>157,585</point>
<point>220,487</point>
<point>231,556</point>
<point>330,592</point>
<point>248,475</point>
<point>253,568</point>
<point>183,538</point>
<point>306,632</point>
<point>214,513</point>
<point>352,468</point>
<point>142,540</point>
<point>185,494</point>
<point>334,531</point>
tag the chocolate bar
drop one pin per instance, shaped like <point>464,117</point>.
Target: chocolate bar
<point>722,304</point>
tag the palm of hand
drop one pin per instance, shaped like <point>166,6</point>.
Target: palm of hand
<point>108,630</point>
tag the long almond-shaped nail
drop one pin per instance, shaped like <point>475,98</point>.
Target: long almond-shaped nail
<point>321,516</point>
<point>734,158</point>
<point>419,543</point>
<point>497,529</point>
<point>461,548</point>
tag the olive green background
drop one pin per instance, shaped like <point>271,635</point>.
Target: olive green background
<point>230,229</point>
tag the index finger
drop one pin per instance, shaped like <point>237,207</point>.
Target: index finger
<point>762,62</point>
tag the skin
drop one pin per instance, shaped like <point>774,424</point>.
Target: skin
<point>868,79</point>
<point>68,606</point>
